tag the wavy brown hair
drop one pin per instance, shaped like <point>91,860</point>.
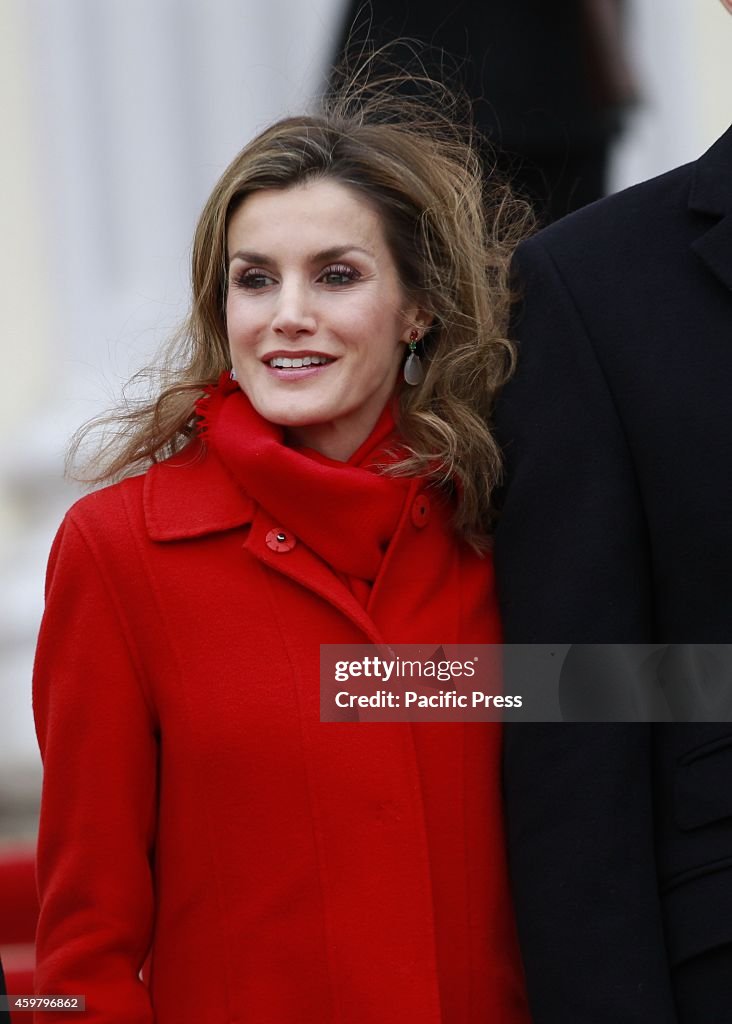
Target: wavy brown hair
<point>451,236</point>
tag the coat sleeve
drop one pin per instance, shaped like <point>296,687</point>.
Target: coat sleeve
<point>573,567</point>
<point>572,548</point>
<point>97,736</point>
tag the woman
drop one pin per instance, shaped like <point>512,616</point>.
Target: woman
<point>209,851</point>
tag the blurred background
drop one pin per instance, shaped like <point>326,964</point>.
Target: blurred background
<point>117,118</point>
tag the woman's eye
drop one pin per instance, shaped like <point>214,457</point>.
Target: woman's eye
<point>340,274</point>
<point>253,279</point>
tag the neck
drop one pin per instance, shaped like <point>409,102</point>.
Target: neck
<point>332,440</point>
<point>330,445</point>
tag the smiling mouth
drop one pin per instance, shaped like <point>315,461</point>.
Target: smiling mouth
<point>285,363</point>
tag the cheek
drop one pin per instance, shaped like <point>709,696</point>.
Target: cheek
<point>230,317</point>
<point>378,323</point>
<point>239,324</point>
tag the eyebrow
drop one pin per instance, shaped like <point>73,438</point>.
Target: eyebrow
<point>334,253</point>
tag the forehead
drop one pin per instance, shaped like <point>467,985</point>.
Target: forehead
<point>322,213</point>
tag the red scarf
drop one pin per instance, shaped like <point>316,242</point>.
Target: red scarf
<point>346,512</point>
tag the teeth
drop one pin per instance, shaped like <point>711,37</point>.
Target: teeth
<point>285,363</point>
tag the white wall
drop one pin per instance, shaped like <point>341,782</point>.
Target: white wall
<point>682,54</point>
<point>120,116</point>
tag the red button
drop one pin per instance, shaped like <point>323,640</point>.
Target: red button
<point>280,540</point>
<point>421,510</point>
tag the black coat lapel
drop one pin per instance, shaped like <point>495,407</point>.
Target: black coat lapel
<point>711,193</point>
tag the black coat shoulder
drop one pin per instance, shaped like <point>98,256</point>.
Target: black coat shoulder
<point>628,232</point>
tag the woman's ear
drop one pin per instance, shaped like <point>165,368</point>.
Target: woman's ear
<point>419,320</point>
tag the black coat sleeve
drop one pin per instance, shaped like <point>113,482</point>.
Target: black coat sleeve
<point>571,546</point>
<point>572,563</point>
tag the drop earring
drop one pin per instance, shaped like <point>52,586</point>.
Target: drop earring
<point>232,375</point>
<point>413,372</point>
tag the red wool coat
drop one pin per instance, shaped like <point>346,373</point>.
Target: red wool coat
<point>198,816</point>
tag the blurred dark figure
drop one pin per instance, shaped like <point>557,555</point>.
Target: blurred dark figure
<point>4,1014</point>
<point>550,82</point>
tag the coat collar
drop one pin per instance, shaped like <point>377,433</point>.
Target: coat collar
<point>711,194</point>
<point>199,490</point>
<point>190,495</point>
<point>193,494</point>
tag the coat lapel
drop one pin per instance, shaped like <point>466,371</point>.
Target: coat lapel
<point>191,495</point>
<point>306,568</point>
<point>711,194</point>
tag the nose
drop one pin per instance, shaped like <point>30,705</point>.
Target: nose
<point>293,315</point>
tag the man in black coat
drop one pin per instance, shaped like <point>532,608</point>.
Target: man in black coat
<point>617,528</point>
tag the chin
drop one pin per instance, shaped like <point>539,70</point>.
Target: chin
<point>282,414</point>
